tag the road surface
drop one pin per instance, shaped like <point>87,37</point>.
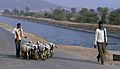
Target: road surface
<point>61,60</point>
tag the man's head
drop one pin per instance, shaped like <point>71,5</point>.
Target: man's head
<point>100,25</point>
<point>18,25</point>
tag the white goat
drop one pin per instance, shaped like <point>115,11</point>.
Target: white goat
<point>25,51</point>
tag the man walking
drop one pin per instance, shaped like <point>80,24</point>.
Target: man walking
<point>18,33</point>
<point>100,41</point>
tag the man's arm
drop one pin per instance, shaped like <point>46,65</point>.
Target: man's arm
<point>106,35</point>
<point>22,34</point>
<point>105,31</point>
<point>96,38</point>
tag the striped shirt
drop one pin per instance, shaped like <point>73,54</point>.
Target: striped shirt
<point>18,33</point>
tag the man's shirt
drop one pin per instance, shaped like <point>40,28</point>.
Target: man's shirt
<point>99,35</point>
<point>18,33</point>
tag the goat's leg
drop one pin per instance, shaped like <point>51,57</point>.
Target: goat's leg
<point>27,56</point>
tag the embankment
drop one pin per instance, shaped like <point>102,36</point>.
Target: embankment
<point>90,53</point>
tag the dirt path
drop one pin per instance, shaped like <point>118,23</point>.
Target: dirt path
<point>63,58</point>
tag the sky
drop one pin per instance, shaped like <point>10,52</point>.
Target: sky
<point>87,3</point>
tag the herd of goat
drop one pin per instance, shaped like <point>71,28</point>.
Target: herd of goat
<point>37,50</point>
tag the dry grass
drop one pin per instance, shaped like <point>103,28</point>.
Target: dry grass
<point>35,38</point>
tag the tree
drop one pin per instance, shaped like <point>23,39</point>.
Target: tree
<point>59,14</point>
<point>22,12</point>
<point>92,10</point>
<point>27,9</point>
<point>73,10</point>
<point>102,13</point>
<point>15,11</point>
<point>32,14</point>
<point>114,17</point>
<point>87,16</point>
<point>83,10</point>
<point>68,16</point>
<point>6,11</point>
<point>46,14</point>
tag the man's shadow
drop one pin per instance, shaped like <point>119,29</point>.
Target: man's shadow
<point>7,56</point>
<point>76,60</point>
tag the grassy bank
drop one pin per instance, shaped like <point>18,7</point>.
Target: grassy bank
<point>112,29</point>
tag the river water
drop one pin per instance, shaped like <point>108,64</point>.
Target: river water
<point>60,35</point>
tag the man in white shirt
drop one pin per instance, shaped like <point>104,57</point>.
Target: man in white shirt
<point>100,41</point>
<point>18,33</point>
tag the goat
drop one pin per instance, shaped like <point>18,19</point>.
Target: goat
<point>29,51</point>
<point>52,46</point>
<point>25,51</point>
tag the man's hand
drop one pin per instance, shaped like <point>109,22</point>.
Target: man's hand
<point>25,37</point>
<point>94,46</point>
<point>106,44</point>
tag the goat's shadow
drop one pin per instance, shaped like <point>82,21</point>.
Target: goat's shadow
<point>7,56</point>
<point>76,60</point>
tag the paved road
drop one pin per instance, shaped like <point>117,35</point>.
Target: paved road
<point>61,60</point>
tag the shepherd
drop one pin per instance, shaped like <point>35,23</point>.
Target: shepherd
<point>101,42</point>
<point>18,34</point>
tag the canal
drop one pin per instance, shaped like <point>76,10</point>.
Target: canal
<point>60,35</point>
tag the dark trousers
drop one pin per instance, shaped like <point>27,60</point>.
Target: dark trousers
<point>18,45</point>
<point>101,50</point>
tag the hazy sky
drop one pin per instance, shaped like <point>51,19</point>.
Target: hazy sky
<point>87,3</point>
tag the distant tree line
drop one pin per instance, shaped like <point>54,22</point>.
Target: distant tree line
<point>85,15</point>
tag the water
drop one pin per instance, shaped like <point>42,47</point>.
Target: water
<point>59,35</point>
